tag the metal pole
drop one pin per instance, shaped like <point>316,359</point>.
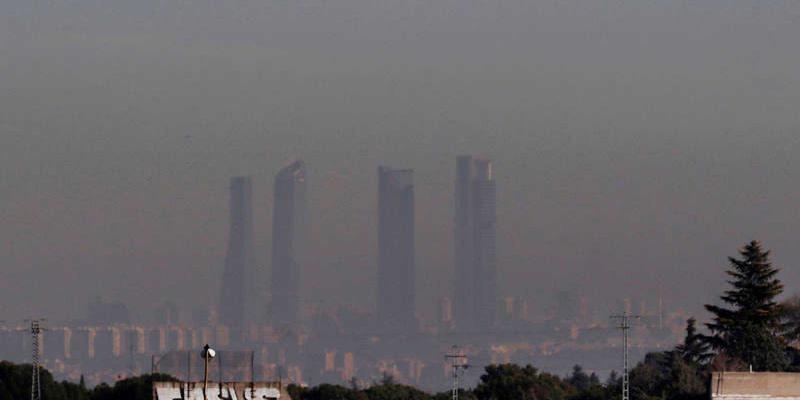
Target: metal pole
<point>219,362</point>
<point>252,374</point>
<point>625,389</point>
<point>625,326</point>
<point>455,383</point>
<point>208,354</point>
<point>205,378</point>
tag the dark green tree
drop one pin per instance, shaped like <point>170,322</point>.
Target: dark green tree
<point>665,375</point>
<point>510,381</point>
<point>394,391</point>
<point>327,391</point>
<point>15,383</point>
<point>134,388</point>
<point>296,392</point>
<point>693,349</point>
<point>750,327</point>
<point>790,310</point>
<point>580,380</point>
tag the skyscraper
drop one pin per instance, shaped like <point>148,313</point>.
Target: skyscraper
<point>238,278</point>
<point>475,265</point>
<point>289,224</point>
<point>396,248</point>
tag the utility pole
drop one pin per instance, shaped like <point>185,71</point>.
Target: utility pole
<point>457,364</point>
<point>36,386</point>
<point>625,325</point>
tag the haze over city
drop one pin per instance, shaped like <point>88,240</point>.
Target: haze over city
<point>634,144</point>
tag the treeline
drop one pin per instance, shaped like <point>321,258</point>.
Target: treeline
<point>666,375</point>
<point>506,381</point>
<point>15,384</point>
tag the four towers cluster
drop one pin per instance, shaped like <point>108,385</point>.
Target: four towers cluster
<point>474,245</point>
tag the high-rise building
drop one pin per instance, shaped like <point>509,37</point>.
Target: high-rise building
<point>289,229</point>
<point>396,248</point>
<point>238,279</point>
<point>474,235</point>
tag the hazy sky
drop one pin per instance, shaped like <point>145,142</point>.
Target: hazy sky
<point>632,140</point>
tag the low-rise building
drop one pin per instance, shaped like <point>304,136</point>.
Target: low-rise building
<point>755,386</point>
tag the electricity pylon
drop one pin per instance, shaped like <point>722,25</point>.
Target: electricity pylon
<point>458,365</point>
<point>36,386</point>
<point>625,326</point>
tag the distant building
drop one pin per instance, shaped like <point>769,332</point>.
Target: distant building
<point>157,340</point>
<point>167,313</point>
<point>289,228</point>
<point>445,312</point>
<point>82,343</point>
<point>755,386</point>
<point>348,366</point>
<point>56,343</point>
<point>474,235</point>
<point>514,309</point>
<point>101,312</point>
<point>396,262</point>
<point>237,279</point>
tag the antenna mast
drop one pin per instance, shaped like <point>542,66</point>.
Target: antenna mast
<point>625,326</point>
<point>457,364</point>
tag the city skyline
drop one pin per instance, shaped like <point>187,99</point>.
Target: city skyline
<point>124,121</point>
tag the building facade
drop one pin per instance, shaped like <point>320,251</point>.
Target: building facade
<point>396,250</point>
<point>289,236</point>
<point>237,298</point>
<point>755,385</point>
<point>475,235</point>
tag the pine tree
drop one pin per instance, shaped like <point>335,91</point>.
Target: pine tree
<point>750,328</point>
<point>693,349</point>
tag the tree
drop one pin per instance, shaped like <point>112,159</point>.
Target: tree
<point>134,388</point>
<point>510,381</point>
<point>394,391</point>
<point>327,391</point>
<point>693,349</point>
<point>581,380</point>
<point>296,392</point>
<point>790,310</point>
<point>665,375</point>
<point>750,329</point>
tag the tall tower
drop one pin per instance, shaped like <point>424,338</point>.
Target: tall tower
<point>396,248</point>
<point>474,235</point>
<point>289,233</point>
<point>238,279</point>
<point>36,386</point>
